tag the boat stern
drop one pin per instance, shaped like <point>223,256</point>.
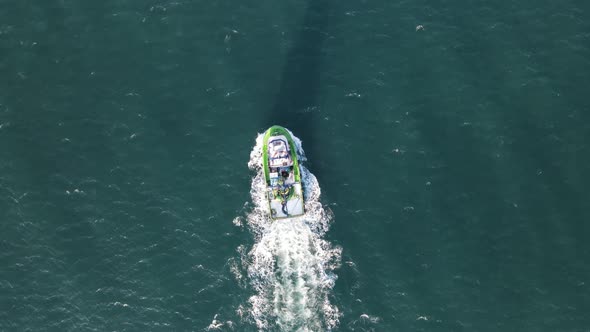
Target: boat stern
<point>286,208</point>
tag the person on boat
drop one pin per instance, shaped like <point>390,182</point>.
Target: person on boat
<point>285,174</point>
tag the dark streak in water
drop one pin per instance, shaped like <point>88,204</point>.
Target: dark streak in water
<point>297,96</point>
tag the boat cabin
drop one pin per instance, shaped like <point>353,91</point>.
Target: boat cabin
<point>280,162</point>
<point>278,152</point>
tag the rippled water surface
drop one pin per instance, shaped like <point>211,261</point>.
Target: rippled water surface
<point>447,165</point>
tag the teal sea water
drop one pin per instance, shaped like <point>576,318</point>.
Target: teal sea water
<point>447,148</point>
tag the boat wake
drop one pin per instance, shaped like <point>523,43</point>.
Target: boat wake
<point>290,266</point>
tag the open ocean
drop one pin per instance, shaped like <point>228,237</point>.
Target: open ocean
<point>447,172</point>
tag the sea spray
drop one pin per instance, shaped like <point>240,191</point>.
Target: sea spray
<point>290,266</point>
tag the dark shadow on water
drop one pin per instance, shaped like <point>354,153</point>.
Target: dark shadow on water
<point>296,100</point>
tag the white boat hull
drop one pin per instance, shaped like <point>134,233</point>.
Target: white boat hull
<point>293,206</point>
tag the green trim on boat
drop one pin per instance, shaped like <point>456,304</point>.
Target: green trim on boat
<point>275,131</point>
<point>284,193</point>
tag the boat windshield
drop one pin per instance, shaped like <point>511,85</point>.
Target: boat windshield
<point>278,152</point>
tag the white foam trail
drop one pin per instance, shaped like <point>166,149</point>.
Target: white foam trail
<point>290,267</point>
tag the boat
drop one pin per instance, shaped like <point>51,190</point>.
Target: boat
<point>282,174</point>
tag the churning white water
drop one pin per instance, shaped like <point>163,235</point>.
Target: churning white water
<point>290,267</point>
